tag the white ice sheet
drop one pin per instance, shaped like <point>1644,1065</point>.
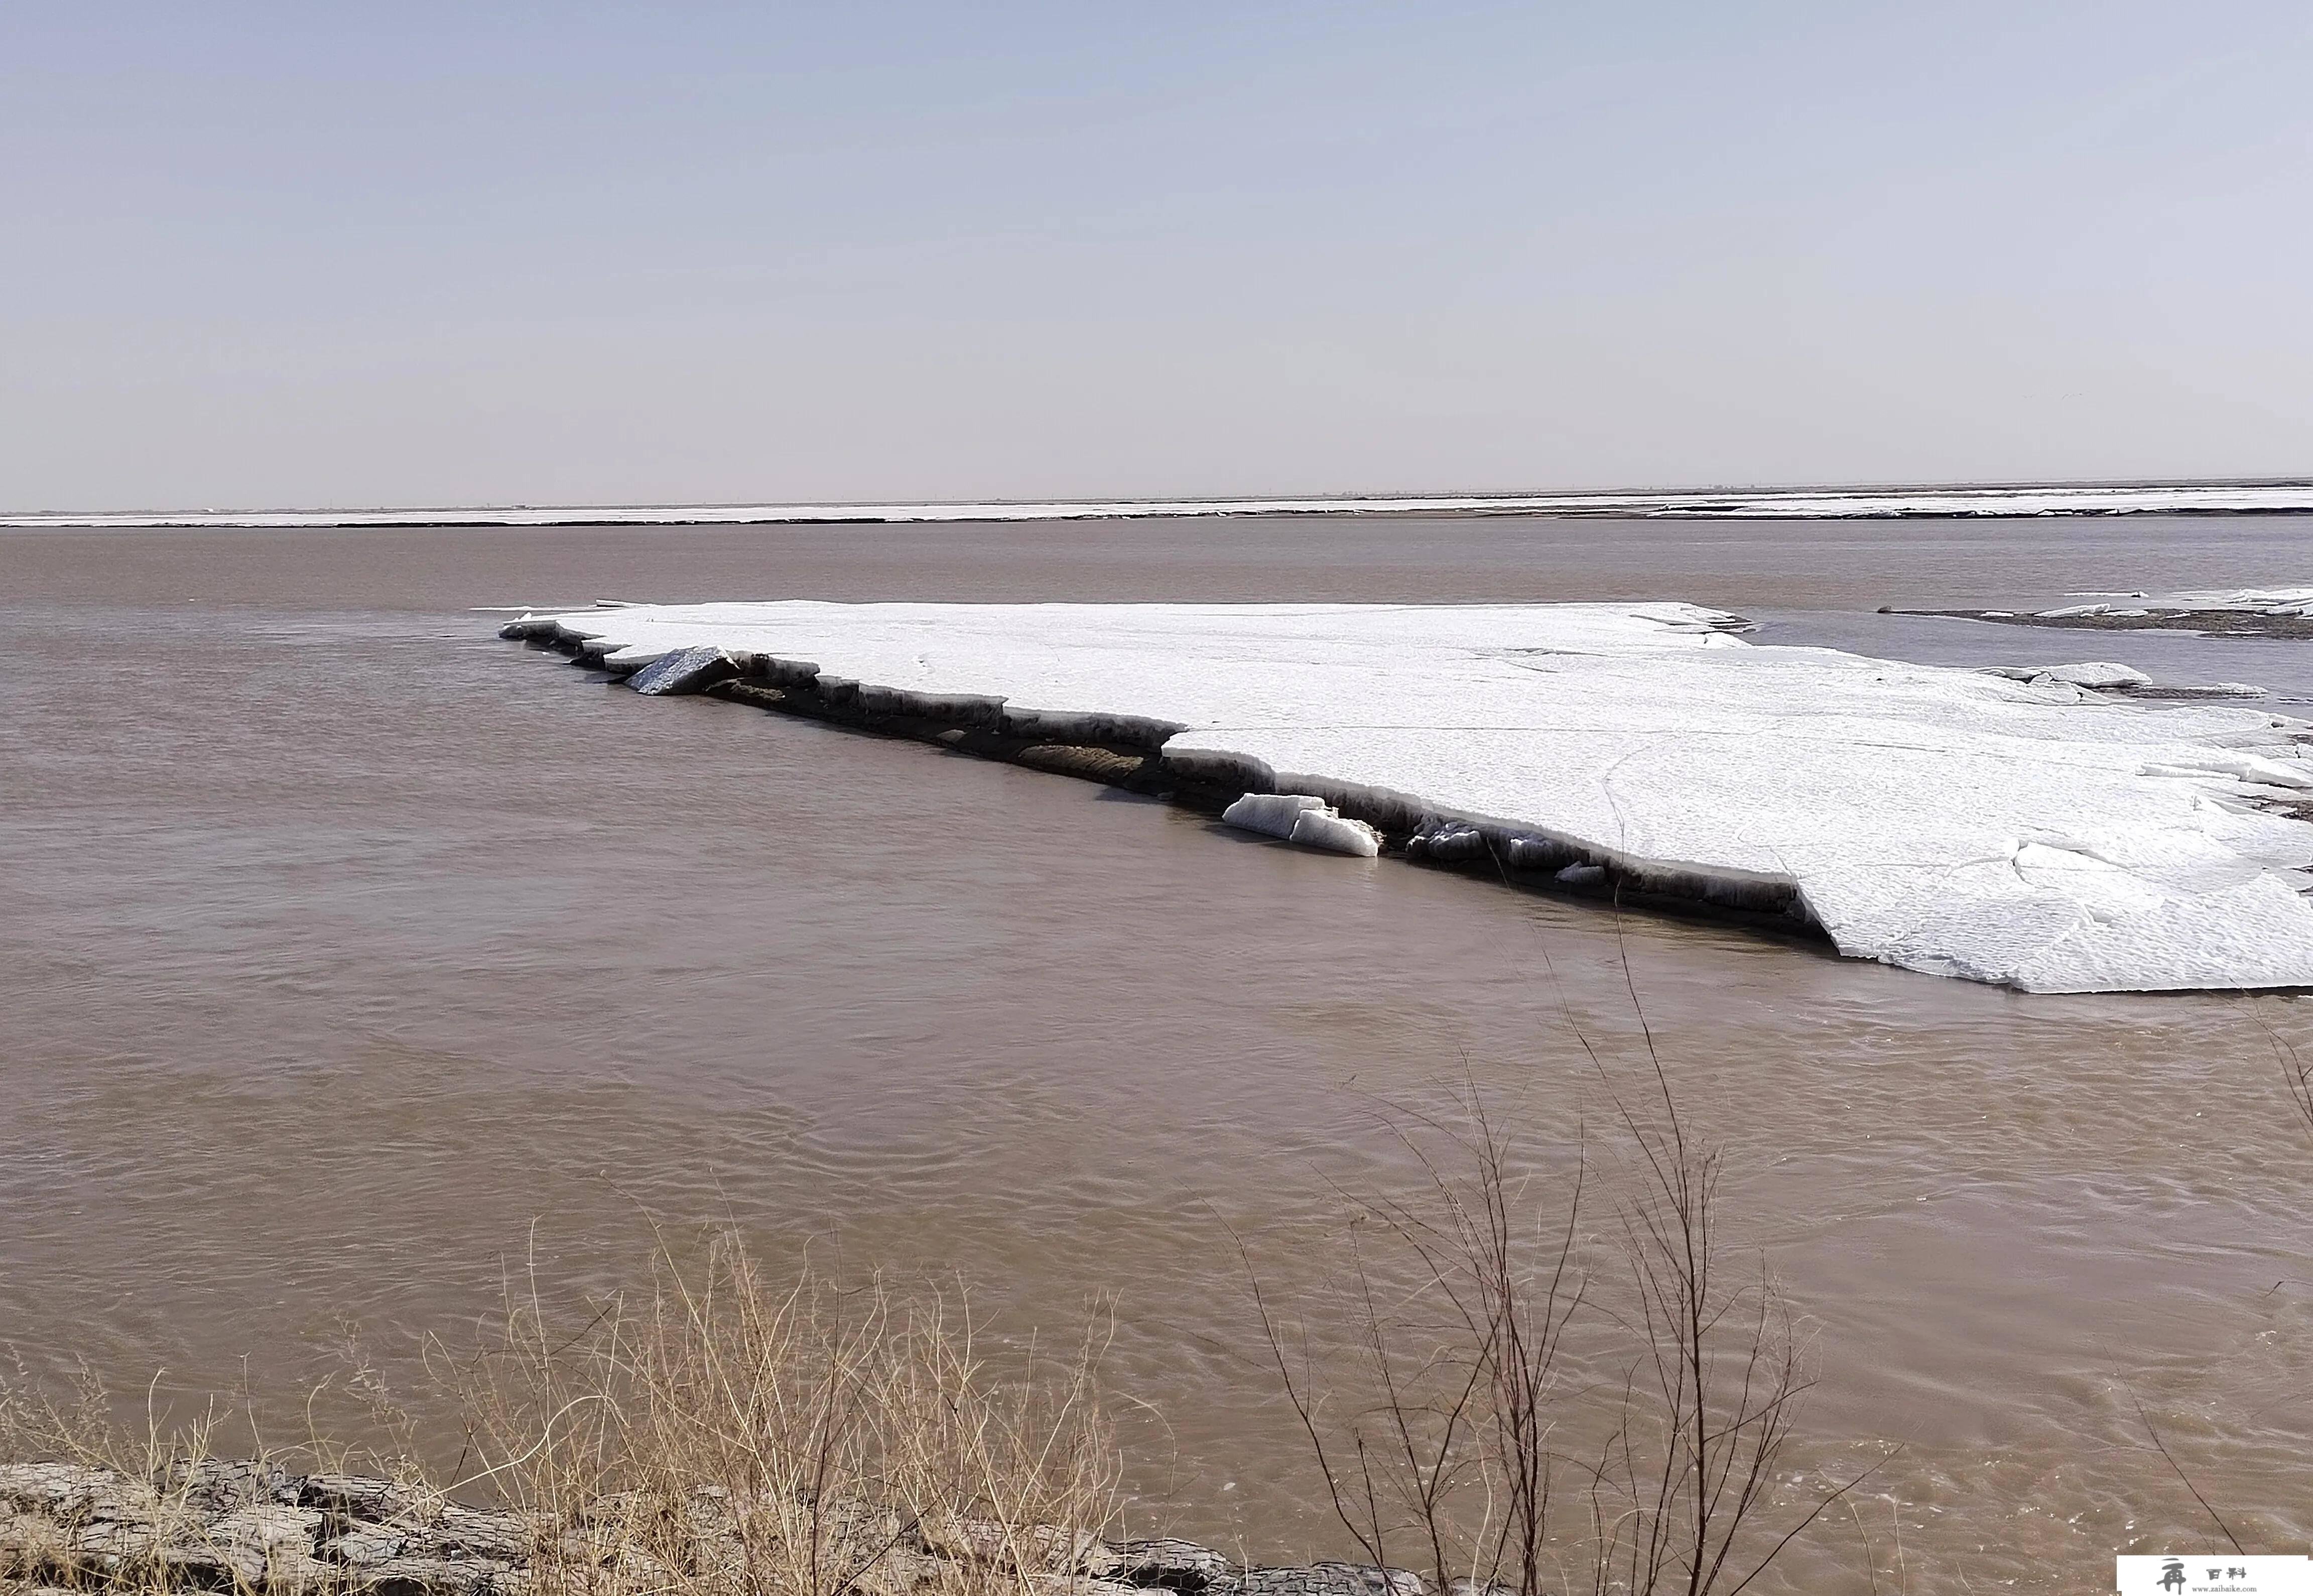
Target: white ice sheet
<point>2032,833</point>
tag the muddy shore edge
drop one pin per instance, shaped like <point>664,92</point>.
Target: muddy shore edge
<point>248,1525</point>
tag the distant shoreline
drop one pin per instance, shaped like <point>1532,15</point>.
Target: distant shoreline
<point>2266,497</point>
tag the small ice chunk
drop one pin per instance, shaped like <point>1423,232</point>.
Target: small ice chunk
<point>1297,818</point>
<point>685,671</point>
<point>1328,832</point>
<point>2095,673</point>
<point>2210,689</point>
<point>1535,853</point>
<point>1582,876</point>
<point>2072,612</point>
<point>2240,765</point>
<point>1449,842</point>
<point>1271,814</point>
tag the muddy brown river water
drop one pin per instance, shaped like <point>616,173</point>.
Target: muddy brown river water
<point>349,955</point>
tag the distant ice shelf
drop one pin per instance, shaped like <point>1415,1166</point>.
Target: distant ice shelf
<point>2036,833</point>
<point>2254,600</point>
<point>2236,612</point>
<point>2181,498</point>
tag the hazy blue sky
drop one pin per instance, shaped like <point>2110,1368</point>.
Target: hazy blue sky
<point>332,254</point>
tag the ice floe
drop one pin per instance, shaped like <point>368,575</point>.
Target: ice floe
<point>685,671</point>
<point>2256,601</point>
<point>2098,673</point>
<point>1306,821</point>
<point>2290,602</point>
<point>2238,612</point>
<point>2035,832</point>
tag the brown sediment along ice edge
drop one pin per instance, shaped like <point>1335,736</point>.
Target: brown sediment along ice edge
<point>248,1525</point>
<point>2212,623</point>
<point>1129,752</point>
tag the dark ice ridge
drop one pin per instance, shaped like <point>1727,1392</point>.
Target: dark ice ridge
<point>1128,752</point>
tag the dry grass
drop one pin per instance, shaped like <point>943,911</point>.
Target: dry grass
<point>802,1440</point>
<point>721,1434</point>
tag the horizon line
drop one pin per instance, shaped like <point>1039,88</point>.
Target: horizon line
<point>2249,494</point>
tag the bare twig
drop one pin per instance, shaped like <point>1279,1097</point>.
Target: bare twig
<point>2146,1419</point>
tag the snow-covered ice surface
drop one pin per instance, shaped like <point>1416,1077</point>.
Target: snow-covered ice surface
<point>2034,833</point>
<point>2093,674</point>
<point>1803,504</point>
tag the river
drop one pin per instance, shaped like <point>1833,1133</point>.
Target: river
<point>351,958</point>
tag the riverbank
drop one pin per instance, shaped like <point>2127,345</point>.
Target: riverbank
<point>248,1524</point>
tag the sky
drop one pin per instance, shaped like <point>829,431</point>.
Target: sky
<point>370,254</point>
